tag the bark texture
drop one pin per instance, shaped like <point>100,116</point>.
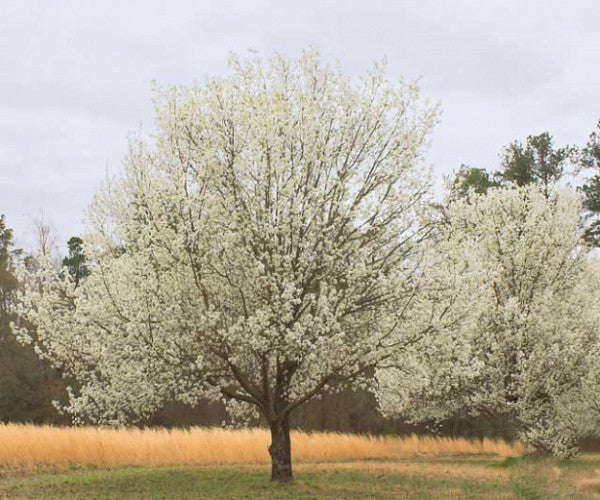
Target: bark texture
<point>281,451</point>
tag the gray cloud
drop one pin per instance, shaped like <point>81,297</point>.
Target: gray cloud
<point>76,76</point>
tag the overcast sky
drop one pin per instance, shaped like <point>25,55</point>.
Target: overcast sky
<point>75,76</point>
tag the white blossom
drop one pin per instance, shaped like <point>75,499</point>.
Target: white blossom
<point>520,279</point>
<point>264,245</point>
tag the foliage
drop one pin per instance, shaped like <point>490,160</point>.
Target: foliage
<point>8,282</point>
<point>535,162</point>
<point>468,179</point>
<point>514,259</point>
<point>590,158</point>
<point>265,247</point>
<point>75,262</point>
<point>27,384</point>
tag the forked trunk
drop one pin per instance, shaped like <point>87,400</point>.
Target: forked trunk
<point>280,451</point>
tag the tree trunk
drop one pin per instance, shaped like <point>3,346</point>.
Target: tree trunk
<point>281,451</point>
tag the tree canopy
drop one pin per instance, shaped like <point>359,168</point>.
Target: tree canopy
<point>75,261</point>
<point>264,248</point>
<point>532,332</point>
<point>537,161</point>
<point>590,158</point>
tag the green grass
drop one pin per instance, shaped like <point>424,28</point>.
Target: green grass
<point>520,480</point>
<point>229,483</point>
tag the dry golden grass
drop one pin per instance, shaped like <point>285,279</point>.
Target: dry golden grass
<point>429,469</point>
<point>46,445</point>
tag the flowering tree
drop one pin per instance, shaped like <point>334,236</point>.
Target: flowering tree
<point>262,249</point>
<point>531,325</point>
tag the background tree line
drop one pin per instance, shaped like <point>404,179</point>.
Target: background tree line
<point>540,161</point>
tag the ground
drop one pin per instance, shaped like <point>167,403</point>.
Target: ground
<point>466,477</point>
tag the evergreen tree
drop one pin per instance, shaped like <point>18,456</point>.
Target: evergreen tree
<point>75,262</point>
<point>469,179</point>
<point>590,158</point>
<point>536,161</point>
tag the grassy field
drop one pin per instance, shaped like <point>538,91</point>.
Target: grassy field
<point>46,462</point>
<point>475,477</point>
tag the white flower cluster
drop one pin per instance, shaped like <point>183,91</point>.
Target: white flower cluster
<point>526,296</point>
<point>264,247</point>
